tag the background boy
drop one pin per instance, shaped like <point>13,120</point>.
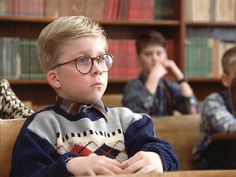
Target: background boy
<point>217,117</point>
<point>152,93</point>
<point>79,135</point>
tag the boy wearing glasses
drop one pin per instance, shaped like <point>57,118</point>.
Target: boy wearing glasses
<point>79,135</point>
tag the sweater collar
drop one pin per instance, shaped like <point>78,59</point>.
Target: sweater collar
<point>73,107</point>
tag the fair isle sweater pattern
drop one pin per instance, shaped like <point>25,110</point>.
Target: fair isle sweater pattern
<point>113,150</point>
<point>92,143</point>
<point>85,136</point>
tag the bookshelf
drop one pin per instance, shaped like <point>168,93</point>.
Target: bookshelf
<point>175,29</point>
<point>215,22</point>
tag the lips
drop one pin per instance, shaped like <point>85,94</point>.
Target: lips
<point>97,84</point>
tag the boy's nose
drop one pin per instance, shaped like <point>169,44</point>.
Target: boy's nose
<point>155,58</point>
<point>97,67</point>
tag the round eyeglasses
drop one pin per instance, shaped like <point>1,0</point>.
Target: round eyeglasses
<point>84,64</point>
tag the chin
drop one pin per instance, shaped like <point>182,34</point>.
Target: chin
<point>96,95</point>
<point>96,98</point>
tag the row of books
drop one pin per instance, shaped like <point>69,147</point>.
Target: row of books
<point>22,8</point>
<point>125,63</point>
<point>210,10</point>
<point>95,9</point>
<point>18,59</point>
<point>203,57</point>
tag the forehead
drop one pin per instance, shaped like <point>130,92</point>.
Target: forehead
<point>90,45</point>
<point>88,42</point>
<point>153,47</point>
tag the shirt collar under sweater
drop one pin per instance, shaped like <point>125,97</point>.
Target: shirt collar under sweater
<point>72,107</point>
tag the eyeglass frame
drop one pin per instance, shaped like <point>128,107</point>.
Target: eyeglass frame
<point>77,58</point>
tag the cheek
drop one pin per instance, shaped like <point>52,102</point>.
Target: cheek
<point>104,79</point>
<point>146,61</point>
<point>75,84</point>
<point>70,79</point>
<point>162,57</point>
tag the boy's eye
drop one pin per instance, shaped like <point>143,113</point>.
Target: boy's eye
<point>159,53</point>
<point>103,58</point>
<point>148,54</point>
<point>83,61</point>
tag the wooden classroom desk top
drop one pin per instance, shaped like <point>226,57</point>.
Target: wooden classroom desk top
<point>194,173</point>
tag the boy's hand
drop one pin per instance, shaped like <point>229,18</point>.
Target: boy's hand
<point>143,162</point>
<point>158,71</point>
<point>171,66</point>
<point>91,166</point>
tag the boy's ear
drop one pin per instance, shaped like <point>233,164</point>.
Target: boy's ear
<point>53,79</point>
<point>225,79</point>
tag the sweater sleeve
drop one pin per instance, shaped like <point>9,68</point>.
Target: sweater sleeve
<point>216,118</point>
<point>140,136</point>
<point>36,157</point>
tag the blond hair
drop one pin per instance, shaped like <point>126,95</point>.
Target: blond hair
<point>55,34</point>
<point>229,60</point>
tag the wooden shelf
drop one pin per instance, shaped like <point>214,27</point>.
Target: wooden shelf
<point>25,19</point>
<point>140,23</point>
<point>204,80</point>
<point>210,24</point>
<point>115,23</point>
<point>28,81</point>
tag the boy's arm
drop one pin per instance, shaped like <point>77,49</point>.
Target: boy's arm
<point>182,103</point>
<point>36,157</point>
<point>140,136</point>
<point>216,117</point>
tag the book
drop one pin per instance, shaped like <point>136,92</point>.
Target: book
<point>125,62</point>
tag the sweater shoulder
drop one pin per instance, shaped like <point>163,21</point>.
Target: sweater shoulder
<point>125,116</point>
<point>214,97</point>
<point>43,123</point>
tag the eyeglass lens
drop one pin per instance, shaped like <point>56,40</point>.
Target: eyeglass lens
<point>84,64</point>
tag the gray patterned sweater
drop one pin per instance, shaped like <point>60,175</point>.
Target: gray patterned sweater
<point>50,137</point>
<point>217,117</point>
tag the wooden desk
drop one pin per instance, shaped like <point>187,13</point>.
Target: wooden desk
<point>224,136</point>
<point>9,130</point>
<point>182,132</point>
<point>203,173</point>
<point>114,100</point>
